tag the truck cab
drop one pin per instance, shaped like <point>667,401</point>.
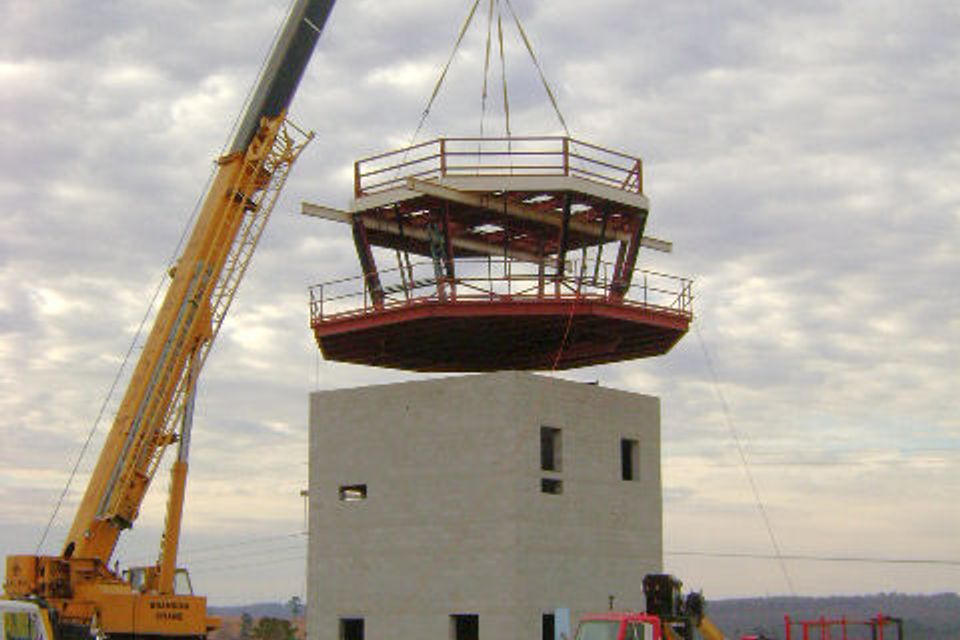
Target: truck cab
<point>24,621</point>
<point>619,626</point>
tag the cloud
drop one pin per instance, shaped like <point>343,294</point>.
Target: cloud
<point>802,158</point>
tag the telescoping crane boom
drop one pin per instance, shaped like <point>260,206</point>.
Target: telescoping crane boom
<point>76,592</point>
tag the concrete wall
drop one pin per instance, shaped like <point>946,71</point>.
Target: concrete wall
<point>455,520</point>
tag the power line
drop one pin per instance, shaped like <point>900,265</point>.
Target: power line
<point>271,561</point>
<point>817,558</point>
<point>228,547</point>
<point>215,561</point>
<point>743,459</point>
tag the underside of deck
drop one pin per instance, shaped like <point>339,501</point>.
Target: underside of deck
<point>502,334</point>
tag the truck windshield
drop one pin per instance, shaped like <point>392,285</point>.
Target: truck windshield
<point>598,630</point>
<point>19,625</point>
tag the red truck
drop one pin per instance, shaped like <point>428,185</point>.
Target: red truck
<point>620,626</point>
<point>669,616</point>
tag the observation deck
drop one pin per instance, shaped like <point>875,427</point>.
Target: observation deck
<point>514,232</point>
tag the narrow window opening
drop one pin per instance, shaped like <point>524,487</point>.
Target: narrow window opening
<point>551,449</point>
<point>629,459</point>
<point>551,485</point>
<point>353,492</point>
<point>464,626</point>
<point>548,627</point>
<point>351,628</point>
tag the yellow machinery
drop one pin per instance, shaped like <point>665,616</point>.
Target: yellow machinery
<point>77,592</point>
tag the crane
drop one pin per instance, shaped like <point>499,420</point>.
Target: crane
<point>74,594</point>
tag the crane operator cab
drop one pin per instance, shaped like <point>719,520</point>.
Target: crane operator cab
<point>24,621</point>
<point>146,579</point>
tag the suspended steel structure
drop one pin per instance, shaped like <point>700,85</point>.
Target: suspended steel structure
<point>510,253</point>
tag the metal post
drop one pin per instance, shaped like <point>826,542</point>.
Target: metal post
<point>443,157</point>
<point>357,191</point>
<point>564,237</point>
<point>449,261</point>
<point>627,259</point>
<point>371,278</point>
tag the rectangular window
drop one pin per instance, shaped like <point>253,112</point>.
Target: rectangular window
<point>551,485</point>
<point>548,626</point>
<point>464,626</point>
<point>353,492</point>
<point>351,628</point>
<point>629,459</point>
<point>551,449</point>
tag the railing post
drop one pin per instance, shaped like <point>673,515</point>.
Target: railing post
<point>357,191</point>
<point>639,175</point>
<point>541,273</point>
<point>443,157</point>
<point>566,156</point>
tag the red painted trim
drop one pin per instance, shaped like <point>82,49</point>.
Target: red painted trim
<point>431,308</point>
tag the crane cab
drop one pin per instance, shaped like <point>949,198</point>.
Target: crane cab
<point>146,579</point>
<point>24,621</point>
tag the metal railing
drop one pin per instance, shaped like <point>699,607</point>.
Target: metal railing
<point>536,156</point>
<point>497,280</point>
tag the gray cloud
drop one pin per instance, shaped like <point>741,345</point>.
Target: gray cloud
<point>802,157</point>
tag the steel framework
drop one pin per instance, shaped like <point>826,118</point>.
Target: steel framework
<point>515,230</point>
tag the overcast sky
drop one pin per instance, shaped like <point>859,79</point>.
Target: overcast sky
<point>803,157</point>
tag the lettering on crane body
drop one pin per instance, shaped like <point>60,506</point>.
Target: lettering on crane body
<point>169,604</point>
<point>170,615</point>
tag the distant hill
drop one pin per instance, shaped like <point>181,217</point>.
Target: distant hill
<point>257,610</point>
<point>232,621</point>
<point>928,617</point>
<point>933,617</point>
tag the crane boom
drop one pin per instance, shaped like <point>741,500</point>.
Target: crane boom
<point>78,584</point>
<point>205,278</point>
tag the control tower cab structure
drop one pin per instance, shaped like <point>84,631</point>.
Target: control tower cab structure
<point>510,253</point>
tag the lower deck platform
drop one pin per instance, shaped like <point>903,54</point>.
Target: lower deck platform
<point>505,322</point>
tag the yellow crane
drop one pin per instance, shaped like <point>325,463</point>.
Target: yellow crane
<point>74,594</point>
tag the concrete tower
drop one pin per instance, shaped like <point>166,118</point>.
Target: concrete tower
<point>478,506</point>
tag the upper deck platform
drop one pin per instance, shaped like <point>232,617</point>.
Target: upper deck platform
<point>542,211</point>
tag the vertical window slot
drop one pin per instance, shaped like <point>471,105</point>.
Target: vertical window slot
<point>551,449</point>
<point>629,459</point>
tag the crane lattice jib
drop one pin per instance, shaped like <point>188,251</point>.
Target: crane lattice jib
<point>287,146</point>
<point>204,283</point>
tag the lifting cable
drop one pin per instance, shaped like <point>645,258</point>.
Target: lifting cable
<point>486,69</point>
<point>743,460</point>
<point>503,74</point>
<point>503,70</point>
<point>536,63</point>
<point>446,68</point>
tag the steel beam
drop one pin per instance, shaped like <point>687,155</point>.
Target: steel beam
<point>499,204</point>
<point>384,226</point>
